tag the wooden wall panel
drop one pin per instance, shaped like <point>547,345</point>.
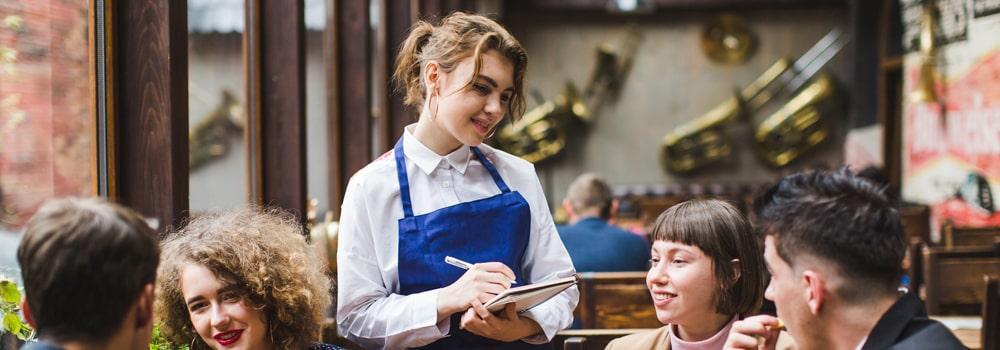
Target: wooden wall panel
<point>275,47</point>
<point>152,108</point>
<point>350,83</point>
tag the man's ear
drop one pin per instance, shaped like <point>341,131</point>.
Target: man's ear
<point>613,214</point>
<point>26,311</point>
<point>570,213</point>
<point>815,291</point>
<point>144,306</point>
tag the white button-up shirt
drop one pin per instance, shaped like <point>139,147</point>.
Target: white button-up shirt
<point>370,310</point>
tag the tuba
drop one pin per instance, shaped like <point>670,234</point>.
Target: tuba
<point>702,141</point>
<point>541,133</point>
<point>796,127</point>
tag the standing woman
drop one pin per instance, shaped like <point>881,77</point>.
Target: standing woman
<point>442,192</point>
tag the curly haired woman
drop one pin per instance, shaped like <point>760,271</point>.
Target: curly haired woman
<point>242,279</point>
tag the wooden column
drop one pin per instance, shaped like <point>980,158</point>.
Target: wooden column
<point>349,82</point>
<point>274,56</point>
<point>397,23</point>
<point>151,104</point>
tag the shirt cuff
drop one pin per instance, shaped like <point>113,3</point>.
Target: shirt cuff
<point>426,314</point>
<point>549,329</point>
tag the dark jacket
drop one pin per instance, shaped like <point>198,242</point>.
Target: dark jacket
<point>906,326</point>
<point>596,246</point>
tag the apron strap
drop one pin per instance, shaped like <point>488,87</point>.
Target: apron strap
<point>492,169</point>
<point>404,183</point>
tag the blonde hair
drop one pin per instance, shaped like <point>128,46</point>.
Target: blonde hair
<point>458,36</point>
<point>264,253</point>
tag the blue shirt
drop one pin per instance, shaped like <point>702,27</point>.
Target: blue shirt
<point>596,246</point>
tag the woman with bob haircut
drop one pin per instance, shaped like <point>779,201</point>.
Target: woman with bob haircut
<point>242,279</point>
<point>706,272</point>
<point>441,192</point>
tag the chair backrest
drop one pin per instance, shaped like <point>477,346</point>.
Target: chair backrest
<point>969,236</point>
<point>913,263</point>
<point>588,339</point>
<point>991,314</point>
<point>953,278</point>
<point>615,300</point>
<point>916,220</point>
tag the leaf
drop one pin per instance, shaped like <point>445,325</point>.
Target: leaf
<point>12,323</point>
<point>9,293</point>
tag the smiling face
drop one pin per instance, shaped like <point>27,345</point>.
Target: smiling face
<point>682,283</point>
<point>220,313</point>
<point>466,116</point>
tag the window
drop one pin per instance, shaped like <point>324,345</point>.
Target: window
<point>47,128</point>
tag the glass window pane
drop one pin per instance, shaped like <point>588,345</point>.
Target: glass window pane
<point>216,93</point>
<point>47,146</point>
<point>317,158</point>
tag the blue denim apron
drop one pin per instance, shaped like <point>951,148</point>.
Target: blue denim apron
<point>490,229</point>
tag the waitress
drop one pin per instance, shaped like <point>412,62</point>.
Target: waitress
<point>442,192</point>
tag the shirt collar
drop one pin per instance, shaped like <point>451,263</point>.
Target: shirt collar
<point>427,160</point>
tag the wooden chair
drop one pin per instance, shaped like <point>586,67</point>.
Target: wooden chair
<point>588,339</point>
<point>991,314</point>
<point>969,236</point>
<point>913,263</point>
<point>916,220</point>
<point>953,278</point>
<point>615,300</point>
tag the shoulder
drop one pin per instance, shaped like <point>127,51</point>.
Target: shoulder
<point>927,334</point>
<point>652,339</point>
<point>375,173</point>
<point>506,160</point>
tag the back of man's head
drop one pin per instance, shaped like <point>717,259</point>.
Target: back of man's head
<point>84,263</point>
<point>590,192</point>
<point>840,218</point>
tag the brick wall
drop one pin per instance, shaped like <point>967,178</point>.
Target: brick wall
<point>46,128</point>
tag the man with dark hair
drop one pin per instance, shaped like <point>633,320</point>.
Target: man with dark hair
<point>592,243</point>
<point>89,269</point>
<point>834,247</point>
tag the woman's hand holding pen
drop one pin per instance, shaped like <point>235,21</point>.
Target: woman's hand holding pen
<point>757,332</point>
<point>478,285</point>
<point>506,326</point>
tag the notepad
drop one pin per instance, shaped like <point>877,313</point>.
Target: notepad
<point>530,295</point>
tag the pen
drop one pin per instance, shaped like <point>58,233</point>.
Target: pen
<point>463,265</point>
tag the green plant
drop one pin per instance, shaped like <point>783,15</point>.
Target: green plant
<point>161,343</point>
<point>10,297</point>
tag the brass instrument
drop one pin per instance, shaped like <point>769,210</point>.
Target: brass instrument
<point>701,142</point>
<point>541,133</point>
<point>927,86</point>
<point>728,40</point>
<point>797,126</point>
<point>323,238</point>
<point>209,139</point>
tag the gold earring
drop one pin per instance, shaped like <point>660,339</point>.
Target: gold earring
<point>437,101</point>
